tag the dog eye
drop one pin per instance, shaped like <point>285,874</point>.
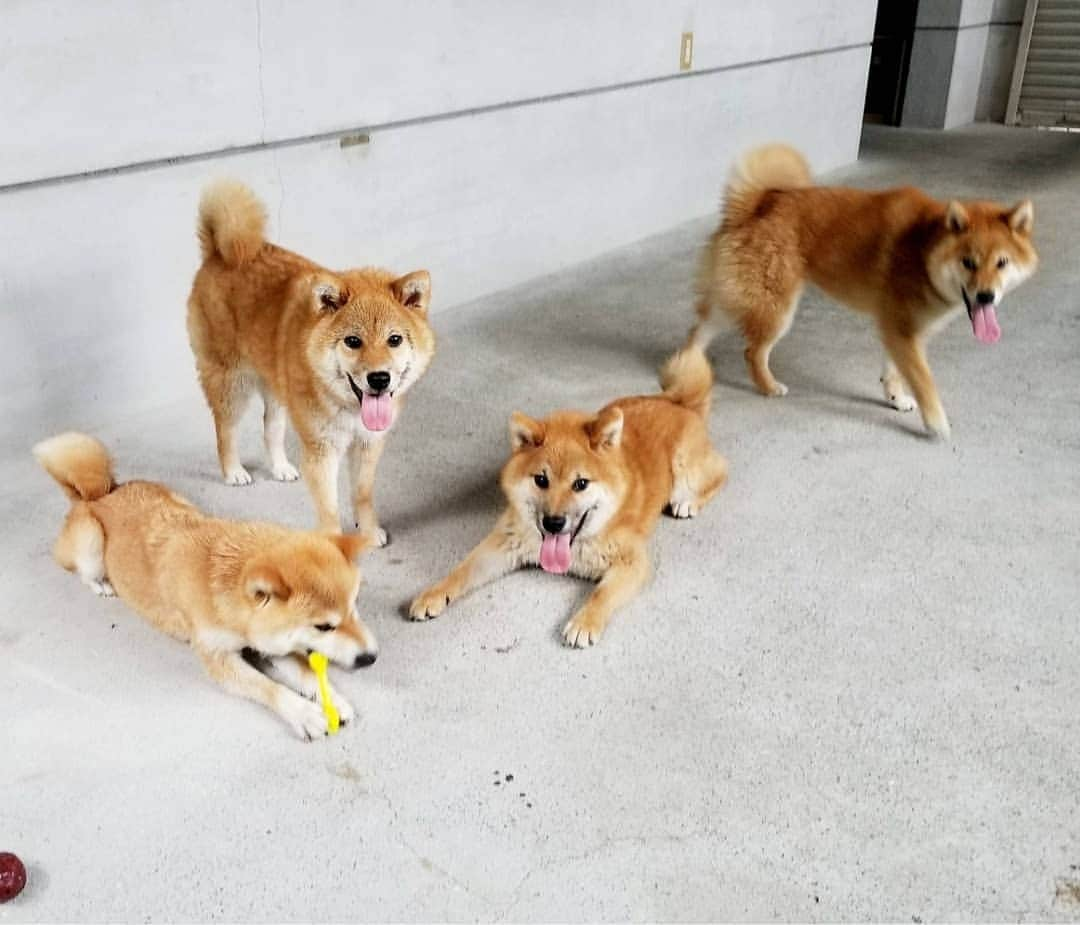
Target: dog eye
<point>353,342</point>
<point>541,480</point>
<point>325,627</point>
<point>394,340</point>
<point>580,484</point>
<point>969,263</point>
<point>1002,261</point>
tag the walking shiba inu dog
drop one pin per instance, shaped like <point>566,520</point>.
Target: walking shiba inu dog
<point>585,491</point>
<point>906,259</point>
<point>221,586</point>
<point>337,351</point>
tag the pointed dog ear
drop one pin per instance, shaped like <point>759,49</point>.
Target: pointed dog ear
<point>1021,217</point>
<point>263,581</point>
<point>956,217</point>
<point>605,430</point>
<point>413,290</point>
<point>352,545</point>
<point>329,295</point>
<point>524,431</point>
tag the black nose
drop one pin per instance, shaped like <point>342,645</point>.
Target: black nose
<point>379,381</point>
<point>364,659</point>
<point>984,297</point>
<point>553,524</point>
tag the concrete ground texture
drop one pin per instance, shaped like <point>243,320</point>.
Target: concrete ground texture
<point>851,691</point>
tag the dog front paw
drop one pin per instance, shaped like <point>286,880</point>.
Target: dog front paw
<point>938,427</point>
<point>238,475</point>
<point>429,604</point>
<point>682,510</point>
<point>582,631</point>
<point>306,719</point>
<point>345,709</point>
<point>901,401</point>
<point>376,536</point>
<point>284,472</point>
<point>103,588</point>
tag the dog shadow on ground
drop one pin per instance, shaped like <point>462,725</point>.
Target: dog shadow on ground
<point>806,383</point>
<point>481,496</point>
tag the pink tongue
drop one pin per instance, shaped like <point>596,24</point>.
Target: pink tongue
<point>984,324</point>
<point>555,553</point>
<point>376,411</point>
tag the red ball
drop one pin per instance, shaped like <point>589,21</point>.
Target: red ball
<point>12,876</point>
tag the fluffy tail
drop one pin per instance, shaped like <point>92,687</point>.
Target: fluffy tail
<point>232,223</point>
<point>687,380</point>
<point>773,167</point>
<point>79,463</point>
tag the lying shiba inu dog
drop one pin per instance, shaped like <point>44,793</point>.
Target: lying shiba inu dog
<point>337,351</point>
<point>226,588</point>
<point>585,492</point>
<point>908,260</point>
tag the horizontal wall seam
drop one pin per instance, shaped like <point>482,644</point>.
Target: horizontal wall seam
<point>974,25</point>
<point>155,163</point>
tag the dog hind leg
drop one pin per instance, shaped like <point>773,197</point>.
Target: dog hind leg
<point>896,393</point>
<point>274,424</point>
<point>80,548</point>
<point>699,473</point>
<point>707,327</point>
<point>763,326</point>
<point>227,392</point>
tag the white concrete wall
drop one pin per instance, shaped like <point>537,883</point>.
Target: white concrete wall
<point>506,141</point>
<point>97,84</point>
<point>961,62</point>
<point>1002,39</point>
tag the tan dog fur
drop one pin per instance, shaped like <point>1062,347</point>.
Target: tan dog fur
<point>219,585</point>
<point>639,456</point>
<point>909,261</point>
<point>261,317</point>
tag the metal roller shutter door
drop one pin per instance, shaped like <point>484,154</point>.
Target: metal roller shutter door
<point>1046,81</point>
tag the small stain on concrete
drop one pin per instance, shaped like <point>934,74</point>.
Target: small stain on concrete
<point>347,772</point>
<point>1067,891</point>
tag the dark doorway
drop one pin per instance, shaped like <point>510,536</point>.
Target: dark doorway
<point>894,31</point>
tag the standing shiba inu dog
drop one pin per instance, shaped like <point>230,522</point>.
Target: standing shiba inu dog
<point>338,351</point>
<point>585,492</point>
<point>221,586</point>
<point>906,259</point>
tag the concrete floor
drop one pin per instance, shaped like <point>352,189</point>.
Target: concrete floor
<point>851,691</point>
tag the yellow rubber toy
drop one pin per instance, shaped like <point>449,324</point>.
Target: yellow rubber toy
<point>318,664</point>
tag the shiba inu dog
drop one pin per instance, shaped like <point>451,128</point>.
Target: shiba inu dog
<point>336,351</point>
<point>909,261</point>
<point>236,592</point>
<point>584,492</point>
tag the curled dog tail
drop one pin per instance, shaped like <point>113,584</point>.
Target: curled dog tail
<point>687,380</point>
<point>79,463</point>
<point>232,223</point>
<point>772,167</point>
